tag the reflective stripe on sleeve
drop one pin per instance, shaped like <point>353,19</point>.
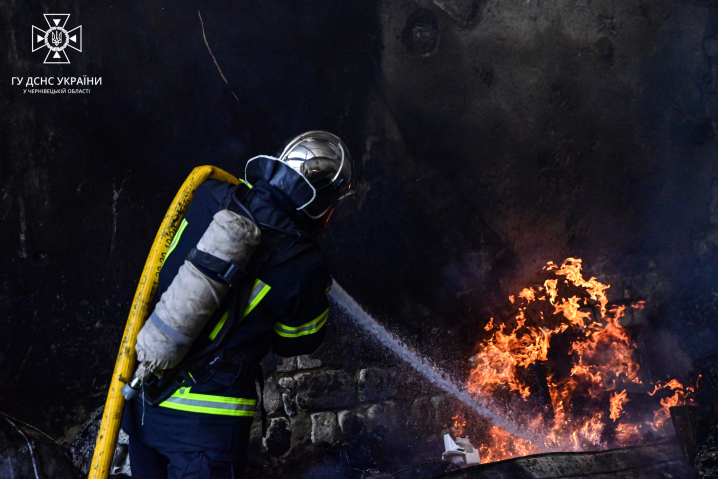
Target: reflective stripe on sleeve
<point>184,400</point>
<point>259,291</point>
<point>307,328</point>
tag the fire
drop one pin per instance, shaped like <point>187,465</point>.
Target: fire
<point>528,294</point>
<point>504,446</point>
<point>617,402</point>
<point>457,429</point>
<point>678,398</point>
<point>628,433</point>
<point>490,325</point>
<point>565,364</point>
<point>639,305</point>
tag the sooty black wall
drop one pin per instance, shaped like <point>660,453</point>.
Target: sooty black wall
<point>86,178</point>
<point>489,136</point>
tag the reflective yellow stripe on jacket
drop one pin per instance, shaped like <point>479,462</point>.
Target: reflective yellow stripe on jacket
<point>259,291</point>
<point>307,328</point>
<point>176,238</point>
<point>184,400</point>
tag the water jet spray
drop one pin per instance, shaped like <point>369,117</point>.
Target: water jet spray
<point>423,365</point>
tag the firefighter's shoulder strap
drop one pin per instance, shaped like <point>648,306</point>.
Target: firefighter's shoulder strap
<point>228,197</point>
<point>235,198</point>
<point>228,371</point>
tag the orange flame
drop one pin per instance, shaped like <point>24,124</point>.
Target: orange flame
<point>528,294</point>
<point>628,433</point>
<point>457,429</point>
<point>680,392</point>
<point>504,446</point>
<point>566,329</point>
<point>617,402</point>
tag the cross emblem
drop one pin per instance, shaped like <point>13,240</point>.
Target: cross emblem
<point>56,38</point>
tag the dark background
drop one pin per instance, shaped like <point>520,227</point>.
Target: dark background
<point>489,138</point>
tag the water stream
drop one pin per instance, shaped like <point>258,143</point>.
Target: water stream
<point>423,365</point>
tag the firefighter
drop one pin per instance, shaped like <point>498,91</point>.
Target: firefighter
<point>195,421</point>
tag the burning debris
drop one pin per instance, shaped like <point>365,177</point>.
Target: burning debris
<point>457,428</point>
<point>565,365</point>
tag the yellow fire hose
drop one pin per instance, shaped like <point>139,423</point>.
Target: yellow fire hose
<point>140,310</point>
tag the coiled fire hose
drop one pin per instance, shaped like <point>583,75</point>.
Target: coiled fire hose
<point>141,307</point>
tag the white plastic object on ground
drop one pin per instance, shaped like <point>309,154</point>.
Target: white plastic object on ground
<point>461,452</point>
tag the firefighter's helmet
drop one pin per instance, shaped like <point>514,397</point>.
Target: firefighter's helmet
<point>323,159</point>
<point>314,170</point>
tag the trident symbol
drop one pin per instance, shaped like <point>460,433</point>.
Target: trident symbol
<point>56,37</point>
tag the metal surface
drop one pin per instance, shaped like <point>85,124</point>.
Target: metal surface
<point>655,461</point>
<point>323,159</point>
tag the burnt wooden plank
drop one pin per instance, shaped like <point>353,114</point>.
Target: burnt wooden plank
<point>655,461</point>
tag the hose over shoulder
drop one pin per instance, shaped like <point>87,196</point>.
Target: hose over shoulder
<point>140,310</point>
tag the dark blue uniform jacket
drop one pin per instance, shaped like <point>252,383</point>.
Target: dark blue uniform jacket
<point>287,310</point>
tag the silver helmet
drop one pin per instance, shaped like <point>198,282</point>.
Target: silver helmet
<point>323,160</point>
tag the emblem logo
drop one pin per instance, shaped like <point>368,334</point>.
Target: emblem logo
<point>56,38</point>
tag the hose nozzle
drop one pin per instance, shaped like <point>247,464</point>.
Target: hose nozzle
<point>132,389</point>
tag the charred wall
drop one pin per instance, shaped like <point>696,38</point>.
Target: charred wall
<point>87,178</point>
<point>490,137</point>
<point>523,133</point>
